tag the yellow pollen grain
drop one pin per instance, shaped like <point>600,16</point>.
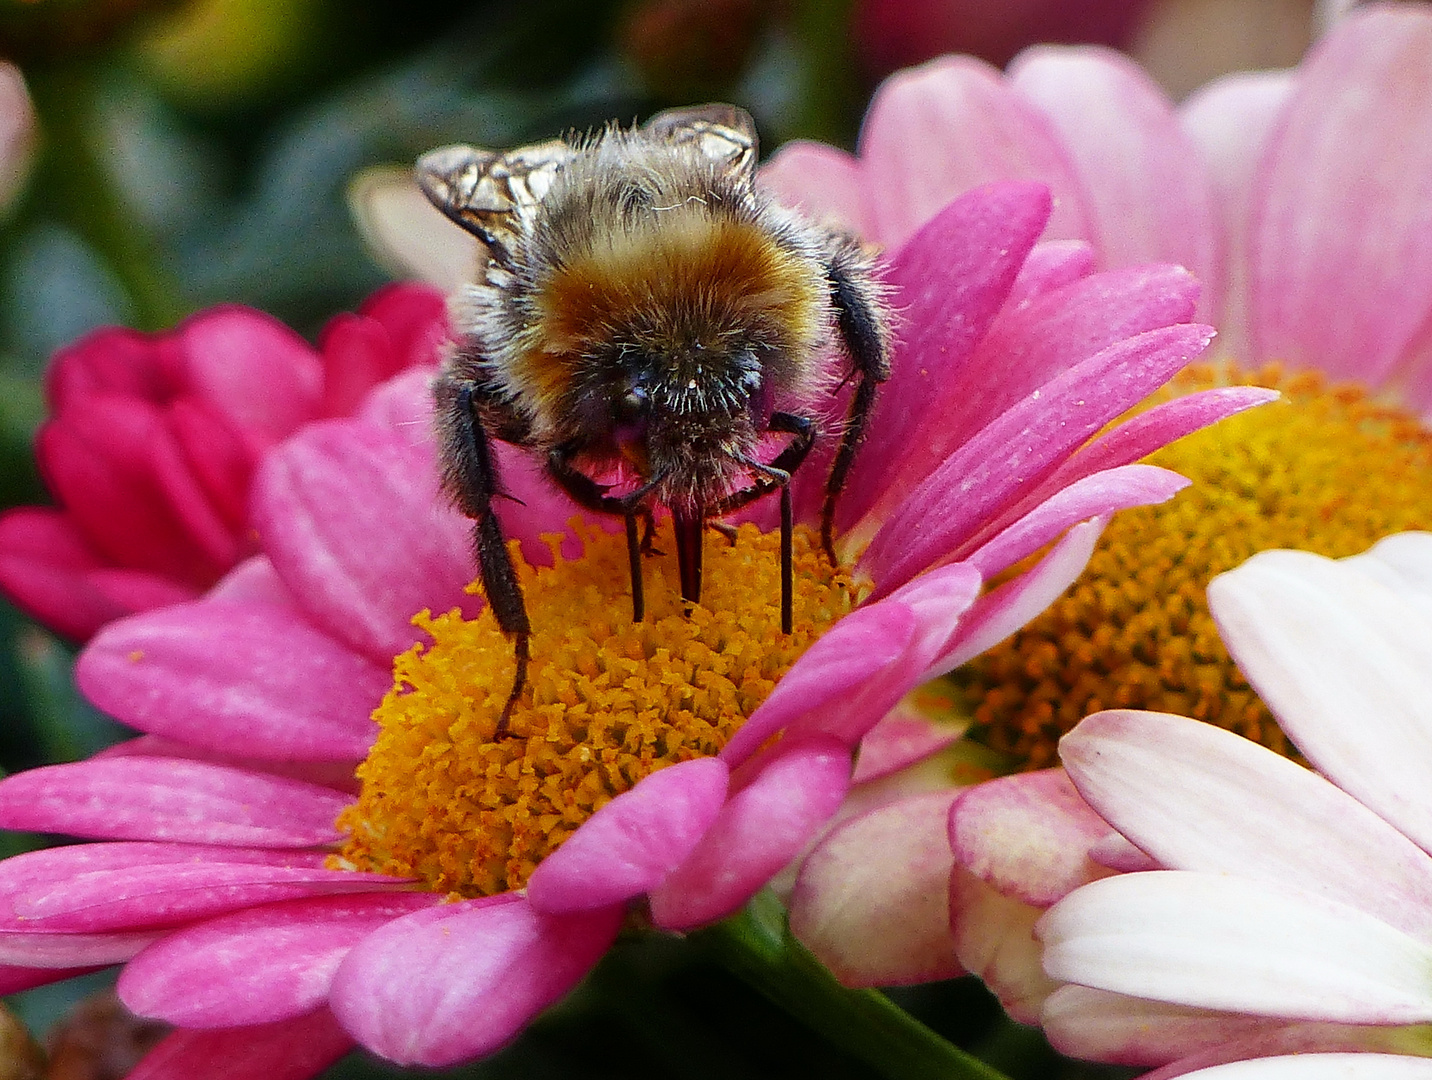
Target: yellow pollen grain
<point>1324,469</point>
<point>609,701</point>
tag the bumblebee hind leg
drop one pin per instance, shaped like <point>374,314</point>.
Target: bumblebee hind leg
<point>471,478</point>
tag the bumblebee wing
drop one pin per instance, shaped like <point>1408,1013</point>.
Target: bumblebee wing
<point>489,193</point>
<point>723,133</point>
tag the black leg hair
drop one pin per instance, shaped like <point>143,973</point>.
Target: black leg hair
<point>638,592</point>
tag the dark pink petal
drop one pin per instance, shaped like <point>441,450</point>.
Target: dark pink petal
<point>259,965</point>
<point>872,900</point>
<point>945,514</point>
<point>1341,256</point>
<point>903,736</point>
<point>357,356</point>
<point>855,650</point>
<point>113,359</point>
<point>458,981</point>
<point>949,282</point>
<point>14,979</point>
<point>947,126</point>
<point>144,798</point>
<point>415,316</point>
<point>1028,835</point>
<point>822,182</point>
<point>219,458</point>
<point>252,368</point>
<point>760,829</point>
<point>631,844</point>
<point>999,613</point>
<point>1093,496</point>
<point>288,1050</point>
<point>350,515</point>
<point>241,678</point>
<point>1149,196</point>
<point>1051,264</point>
<point>338,775</point>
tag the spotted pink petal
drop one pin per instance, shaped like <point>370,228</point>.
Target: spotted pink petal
<point>871,901</point>
<point>1340,256</point>
<point>241,678</point>
<point>631,844</point>
<point>350,515</point>
<point>1027,834</point>
<point>144,798</point>
<point>1148,194</point>
<point>822,182</point>
<point>258,965</point>
<point>1051,264</point>
<point>459,980</point>
<point>760,829</point>
<point>938,130</point>
<point>294,1049</point>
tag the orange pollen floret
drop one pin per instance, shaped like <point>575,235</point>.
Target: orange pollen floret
<point>608,702</point>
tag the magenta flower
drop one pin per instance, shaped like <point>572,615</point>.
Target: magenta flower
<point>152,443</point>
<point>217,883</point>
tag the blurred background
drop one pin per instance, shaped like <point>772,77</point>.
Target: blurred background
<point>159,156</point>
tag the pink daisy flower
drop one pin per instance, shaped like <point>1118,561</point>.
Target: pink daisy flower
<point>246,917</point>
<point>152,443</point>
<point>1315,259</point>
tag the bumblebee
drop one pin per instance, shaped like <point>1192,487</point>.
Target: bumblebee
<point>646,321</point>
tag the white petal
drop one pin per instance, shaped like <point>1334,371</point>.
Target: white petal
<point>1322,1067</point>
<point>408,234</point>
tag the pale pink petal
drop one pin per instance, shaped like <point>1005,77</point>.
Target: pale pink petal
<point>950,508</point>
<point>1218,941</point>
<point>1148,195</point>
<point>1028,835</point>
<point>1229,121</point>
<point>1340,253</point>
<point>994,938</point>
<point>288,1050</point>
<point>67,951</point>
<point>949,282</point>
<point>253,581</point>
<point>458,981</point>
<point>146,798</point>
<point>760,829</point>
<point>350,515</point>
<point>1051,264</point>
<point>1345,663</point>
<point>857,649</point>
<point>634,841</point>
<point>1196,797</point>
<point>1322,1067</point>
<point>242,678</point>
<point>871,901</point>
<point>259,965</point>
<point>1121,1030</point>
<point>822,182</point>
<point>999,613</point>
<point>938,130</point>
<point>1311,1041</point>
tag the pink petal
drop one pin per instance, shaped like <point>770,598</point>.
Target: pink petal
<point>350,515</point>
<point>338,775</point>
<point>288,1050</point>
<point>949,283</point>
<point>1196,797</point>
<point>1148,194</point>
<point>14,979</point>
<point>938,130</point>
<point>65,952</point>
<point>253,581</point>
<point>415,316</point>
<point>945,513</point>
<point>857,649</point>
<point>871,901</point>
<point>634,841</point>
<point>822,182</point>
<point>258,965</point>
<point>1343,661</point>
<point>1340,255</point>
<point>139,798</point>
<point>1051,265</point>
<point>1028,835</point>
<point>241,678</point>
<point>994,939</point>
<point>760,829</point>
<point>904,735</point>
<point>252,368</point>
<point>1229,121</point>
<point>999,613</point>
<point>357,355</point>
<point>1218,941</point>
<point>458,981</point>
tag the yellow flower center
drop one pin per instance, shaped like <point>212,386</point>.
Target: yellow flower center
<point>609,702</point>
<point>1323,469</point>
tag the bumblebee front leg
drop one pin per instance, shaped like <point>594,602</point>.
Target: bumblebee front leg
<point>863,319</point>
<point>471,478</point>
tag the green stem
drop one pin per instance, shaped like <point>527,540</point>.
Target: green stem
<point>76,187</point>
<point>755,946</point>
